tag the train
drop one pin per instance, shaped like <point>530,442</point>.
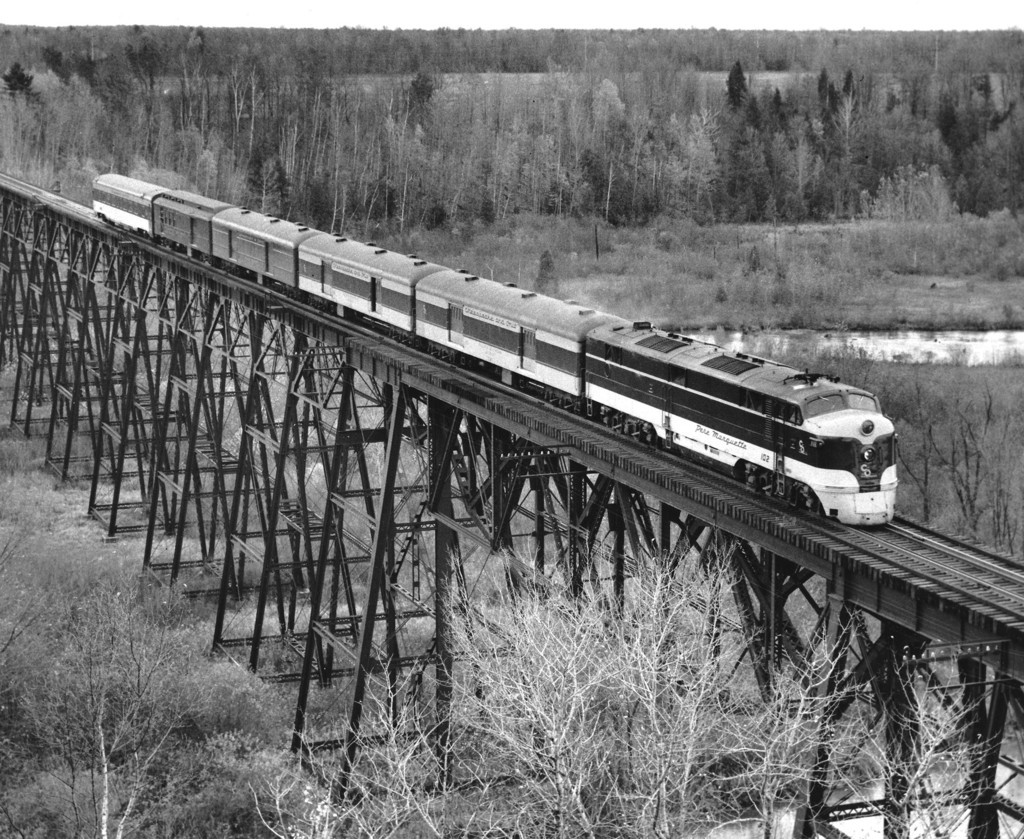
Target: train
<point>806,438</point>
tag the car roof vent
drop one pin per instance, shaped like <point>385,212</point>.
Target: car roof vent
<point>660,343</point>
<point>729,364</point>
<point>642,324</point>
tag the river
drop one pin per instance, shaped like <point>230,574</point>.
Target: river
<point>963,348</point>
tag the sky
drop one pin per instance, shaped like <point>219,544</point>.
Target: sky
<point>529,14</point>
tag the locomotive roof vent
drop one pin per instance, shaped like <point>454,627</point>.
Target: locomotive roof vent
<point>471,278</point>
<point>419,262</point>
<point>529,294</point>
<point>245,211</point>
<point>642,324</point>
<point>273,220</point>
<point>509,285</point>
<point>586,311</point>
<point>302,228</point>
<point>340,239</point>
<point>379,251</point>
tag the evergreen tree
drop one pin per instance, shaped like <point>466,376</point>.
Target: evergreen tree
<point>777,112</point>
<point>947,123</point>
<point>754,114</point>
<point>16,80</point>
<point>823,84</point>
<point>828,96</point>
<point>420,93</point>
<point>736,86</point>
<point>848,83</point>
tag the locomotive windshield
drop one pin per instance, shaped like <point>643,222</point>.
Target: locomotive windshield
<point>831,402</point>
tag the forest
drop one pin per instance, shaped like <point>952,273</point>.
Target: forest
<point>359,130</point>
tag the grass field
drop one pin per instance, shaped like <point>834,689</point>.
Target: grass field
<point>966,273</point>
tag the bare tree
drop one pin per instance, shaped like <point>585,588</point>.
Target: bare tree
<point>631,722</point>
<point>912,761</point>
<point>117,693</point>
<point>391,787</point>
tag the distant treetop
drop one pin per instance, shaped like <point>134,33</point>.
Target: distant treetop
<point>16,80</point>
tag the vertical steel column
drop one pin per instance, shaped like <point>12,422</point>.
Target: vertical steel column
<point>537,485</point>
<point>331,551</point>
<point>985,735</point>
<point>576,554</point>
<point>274,497</point>
<point>166,453</point>
<point>382,534</point>
<point>812,815</point>
<point>236,525</point>
<point>115,411</point>
<point>42,324</point>
<point>440,421</point>
<point>901,731</point>
<point>72,387</point>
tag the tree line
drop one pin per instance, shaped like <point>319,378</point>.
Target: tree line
<point>352,129</point>
<point>406,51</point>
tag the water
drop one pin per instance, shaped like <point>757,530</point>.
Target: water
<point>963,348</point>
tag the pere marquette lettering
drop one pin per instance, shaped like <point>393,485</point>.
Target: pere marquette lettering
<point>722,438</point>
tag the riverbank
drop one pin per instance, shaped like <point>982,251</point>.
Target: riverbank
<point>960,348</point>
<point>965,273</point>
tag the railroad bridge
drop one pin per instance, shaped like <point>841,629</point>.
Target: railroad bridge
<point>332,488</point>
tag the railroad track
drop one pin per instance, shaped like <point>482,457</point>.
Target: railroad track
<point>944,563</point>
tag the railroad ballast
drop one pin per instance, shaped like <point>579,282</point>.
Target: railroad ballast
<point>807,438</point>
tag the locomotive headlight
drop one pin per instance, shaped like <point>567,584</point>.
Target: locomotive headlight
<point>869,455</point>
<point>867,427</point>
